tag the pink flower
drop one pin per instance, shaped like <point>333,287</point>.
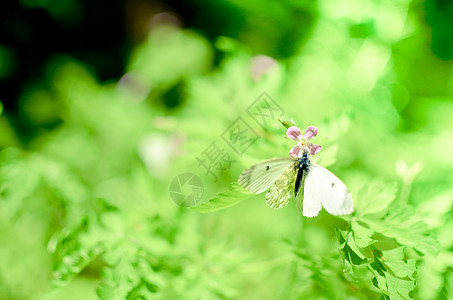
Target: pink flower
<point>295,151</point>
<point>314,149</point>
<point>294,133</point>
<point>310,133</point>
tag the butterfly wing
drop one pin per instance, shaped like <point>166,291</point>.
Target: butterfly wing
<point>323,187</point>
<point>308,200</point>
<point>280,192</point>
<point>261,176</point>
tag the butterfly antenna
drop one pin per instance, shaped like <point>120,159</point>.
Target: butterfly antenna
<point>286,137</point>
<point>325,139</point>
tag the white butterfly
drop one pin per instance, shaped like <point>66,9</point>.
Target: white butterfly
<point>314,186</point>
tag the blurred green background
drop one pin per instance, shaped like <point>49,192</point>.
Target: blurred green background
<point>105,103</point>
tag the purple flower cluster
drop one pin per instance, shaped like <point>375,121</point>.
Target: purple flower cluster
<point>303,141</point>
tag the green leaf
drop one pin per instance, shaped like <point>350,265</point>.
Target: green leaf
<point>402,225</point>
<point>431,274</point>
<point>19,180</point>
<point>402,269</point>
<point>393,254</point>
<point>224,199</point>
<point>374,200</point>
<point>394,260</point>
<point>399,288</point>
<point>287,124</point>
<point>392,285</point>
<point>377,270</point>
<point>379,226</point>
<point>362,234</point>
<point>130,276</point>
<point>351,252</point>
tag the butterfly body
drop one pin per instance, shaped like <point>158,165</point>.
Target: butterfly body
<point>314,186</point>
<point>304,165</point>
